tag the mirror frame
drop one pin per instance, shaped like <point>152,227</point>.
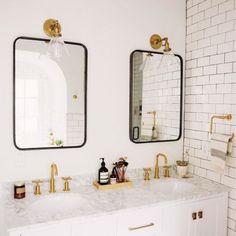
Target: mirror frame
<point>14,94</point>
<point>131,99</point>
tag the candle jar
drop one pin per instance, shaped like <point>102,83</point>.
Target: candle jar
<point>19,190</point>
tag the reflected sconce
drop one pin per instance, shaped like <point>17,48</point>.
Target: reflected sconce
<point>146,62</point>
<point>56,46</point>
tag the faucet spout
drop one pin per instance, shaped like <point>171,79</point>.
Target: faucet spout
<point>157,176</point>
<point>54,172</point>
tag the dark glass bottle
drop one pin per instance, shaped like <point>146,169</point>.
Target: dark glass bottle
<point>103,174</point>
<point>113,176</point>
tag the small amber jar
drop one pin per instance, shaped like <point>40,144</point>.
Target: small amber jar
<point>19,190</point>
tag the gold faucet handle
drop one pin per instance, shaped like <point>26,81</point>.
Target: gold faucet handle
<point>167,171</point>
<point>66,183</point>
<point>37,188</point>
<point>147,173</point>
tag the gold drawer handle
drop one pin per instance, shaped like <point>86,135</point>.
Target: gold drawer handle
<point>141,227</point>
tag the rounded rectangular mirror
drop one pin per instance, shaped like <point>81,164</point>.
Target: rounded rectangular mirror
<point>156,91</point>
<point>49,95</point>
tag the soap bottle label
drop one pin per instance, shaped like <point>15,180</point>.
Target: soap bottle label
<point>104,177</point>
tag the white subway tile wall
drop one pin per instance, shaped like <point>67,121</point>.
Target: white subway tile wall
<point>211,88</point>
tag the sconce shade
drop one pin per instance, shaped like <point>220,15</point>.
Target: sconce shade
<point>168,60</point>
<point>57,48</point>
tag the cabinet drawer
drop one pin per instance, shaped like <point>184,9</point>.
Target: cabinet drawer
<point>62,230</point>
<point>143,222</point>
<point>102,225</point>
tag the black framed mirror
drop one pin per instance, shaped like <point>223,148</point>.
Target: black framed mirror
<point>49,95</point>
<point>156,95</point>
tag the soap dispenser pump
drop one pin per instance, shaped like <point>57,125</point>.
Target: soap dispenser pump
<point>103,175</point>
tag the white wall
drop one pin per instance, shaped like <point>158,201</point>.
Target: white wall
<point>111,30</point>
<point>211,88</point>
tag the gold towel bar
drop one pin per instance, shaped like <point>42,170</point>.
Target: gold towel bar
<point>224,117</point>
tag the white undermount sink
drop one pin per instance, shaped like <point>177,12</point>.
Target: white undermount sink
<point>173,186</point>
<point>56,203</point>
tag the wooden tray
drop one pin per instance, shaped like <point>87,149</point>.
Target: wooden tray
<point>126,184</point>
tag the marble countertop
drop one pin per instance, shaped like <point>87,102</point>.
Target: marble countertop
<point>142,194</point>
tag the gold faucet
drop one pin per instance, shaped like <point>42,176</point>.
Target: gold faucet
<point>54,173</point>
<point>157,176</point>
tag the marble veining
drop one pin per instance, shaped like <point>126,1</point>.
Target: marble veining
<point>143,193</point>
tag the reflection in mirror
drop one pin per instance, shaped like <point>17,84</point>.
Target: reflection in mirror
<point>155,97</point>
<point>49,96</point>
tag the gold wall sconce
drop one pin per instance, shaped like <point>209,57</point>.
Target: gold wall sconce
<point>157,42</point>
<point>168,59</point>
<point>52,28</point>
<point>56,46</point>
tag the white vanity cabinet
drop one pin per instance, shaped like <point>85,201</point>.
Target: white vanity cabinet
<point>175,220</point>
<point>101,225</point>
<point>142,222</point>
<point>197,218</point>
<point>211,217</point>
<point>60,230</point>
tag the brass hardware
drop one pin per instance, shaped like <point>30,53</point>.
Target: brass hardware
<point>166,45</point>
<point>166,171</point>
<point>52,28</point>
<point>141,227</point>
<point>75,97</point>
<point>157,176</point>
<point>66,183</point>
<point>54,173</point>
<point>154,132</point>
<point>224,117</point>
<point>156,42</point>
<point>37,189</point>
<point>200,214</point>
<point>194,215</point>
<point>147,173</point>
<point>154,113</point>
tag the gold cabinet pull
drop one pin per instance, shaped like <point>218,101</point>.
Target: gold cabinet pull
<point>141,227</point>
<point>194,215</point>
<point>200,214</point>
